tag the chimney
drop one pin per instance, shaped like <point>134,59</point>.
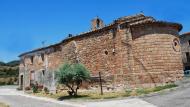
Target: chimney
<point>97,23</point>
<point>70,35</point>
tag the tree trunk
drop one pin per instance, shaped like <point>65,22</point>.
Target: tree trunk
<point>76,90</point>
<point>72,92</point>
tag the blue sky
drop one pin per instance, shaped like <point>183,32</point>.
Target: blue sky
<point>24,24</point>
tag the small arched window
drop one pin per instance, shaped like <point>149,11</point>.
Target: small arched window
<point>176,45</point>
<point>106,52</point>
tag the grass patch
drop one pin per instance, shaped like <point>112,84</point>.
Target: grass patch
<point>155,89</point>
<point>143,91</point>
<point>84,95</point>
<point>159,88</point>
<point>89,95</point>
<point>3,105</point>
<point>106,95</point>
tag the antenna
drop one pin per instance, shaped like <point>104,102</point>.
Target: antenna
<point>97,16</point>
<point>142,12</point>
<point>43,43</point>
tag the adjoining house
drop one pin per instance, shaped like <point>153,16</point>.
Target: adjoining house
<point>133,51</point>
<point>185,48</point>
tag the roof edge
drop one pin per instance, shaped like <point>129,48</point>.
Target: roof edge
<point>69,38</point>
<point>184,34</point>
<point>177,25</point>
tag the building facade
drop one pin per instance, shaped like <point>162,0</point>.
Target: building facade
<point>185,48</point>
<point>133,51</point>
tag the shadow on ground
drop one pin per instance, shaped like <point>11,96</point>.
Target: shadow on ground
<point>72,97</point>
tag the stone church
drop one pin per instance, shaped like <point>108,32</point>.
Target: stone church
<point>132,51</point>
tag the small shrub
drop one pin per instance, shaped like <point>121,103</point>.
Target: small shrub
<point>10,81</point>
<point>27,88</point>
<point>128,92</point>
<point>2,83</point>
<point>19,89</point>
<point>35,88</point>
<point>46,90</point>
<point>15,79</point>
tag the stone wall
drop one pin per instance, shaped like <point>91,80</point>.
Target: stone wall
<point>156,55</point>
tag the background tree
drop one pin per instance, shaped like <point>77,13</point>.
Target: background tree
<point>9,72</point>
<point>72,76</point>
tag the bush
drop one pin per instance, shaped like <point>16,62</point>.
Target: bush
<point>2,83</point>
<point>35,88</point>
<point>72,76</point>
<point>128,92</point>
<point>27,88</point>
<point>10,81</point>
<point>46,90</point>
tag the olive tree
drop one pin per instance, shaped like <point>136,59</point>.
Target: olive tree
<point>72,75</point>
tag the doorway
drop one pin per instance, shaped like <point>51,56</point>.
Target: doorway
<point>21,81</point>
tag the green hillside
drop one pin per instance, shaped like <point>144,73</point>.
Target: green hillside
<point>9,72</point>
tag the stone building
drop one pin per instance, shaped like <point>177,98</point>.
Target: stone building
<point>185,48</point>
<point>133,51</point>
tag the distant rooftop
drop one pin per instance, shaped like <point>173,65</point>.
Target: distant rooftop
<point>187,33</point>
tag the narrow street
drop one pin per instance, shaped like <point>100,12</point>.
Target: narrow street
<point>176,98</point>
<point>19,101</point>
<point>10,96</point>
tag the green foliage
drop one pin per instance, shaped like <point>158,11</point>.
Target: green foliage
<point>46,90</point>
<point>142,91</point>
<point>35,88</point>
<point>8,80</point>
<point>13,63</point>
<point>159,88</point>
<point>10,64</point>
<point>2,63</point>
<point>2,83</point>
<point>9,72</point>
<point>72,76</point>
